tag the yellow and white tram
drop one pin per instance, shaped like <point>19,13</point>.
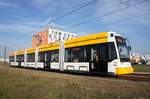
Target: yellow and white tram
<point>105,52</point>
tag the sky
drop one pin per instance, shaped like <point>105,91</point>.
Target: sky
<point>20,19</point>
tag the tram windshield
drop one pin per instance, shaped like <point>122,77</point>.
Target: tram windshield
<point>122,48</point>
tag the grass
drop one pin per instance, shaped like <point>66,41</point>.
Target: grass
<point>141,68</point>
<point>19,83</point>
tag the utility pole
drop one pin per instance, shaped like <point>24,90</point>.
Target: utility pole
<point>5,49</point>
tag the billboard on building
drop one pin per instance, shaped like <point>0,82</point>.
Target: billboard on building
<point>40,38</point>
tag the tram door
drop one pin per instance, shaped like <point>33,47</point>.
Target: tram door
<point>98,58</point>
<point>103,57</point>
<point>47,60</point>
<point>94,59</point>
<point>19,61</point>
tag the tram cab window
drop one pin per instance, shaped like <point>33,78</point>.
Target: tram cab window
<point>54,56</point>
<point>31,57</point>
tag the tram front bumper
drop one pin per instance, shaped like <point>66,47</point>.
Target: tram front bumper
<point>124,70</point>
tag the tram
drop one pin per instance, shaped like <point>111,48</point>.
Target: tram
<point>105,52</point>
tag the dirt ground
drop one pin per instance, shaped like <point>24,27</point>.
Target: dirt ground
<point>19,83</point>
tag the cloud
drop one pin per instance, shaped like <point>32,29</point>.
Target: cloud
<point>19,35</point>
<point>33,23</point>
<point>16,34</point>
<point>13,44</point>
<point>22,25</point>
<point>21,31</point>
<point>15,28</point>
<point>41,1</point>
<point>129,12</point>
<point>133,22</point>
<point>8,4</point>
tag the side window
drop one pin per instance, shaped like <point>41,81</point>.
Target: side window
<point>17,58</point>
<point>11,58</point>
<point>94,54</point>
<point>74,55</point>
<point>107,52</point>
<point>31,57</point>
<point>54,56</point>
<point>77,54</point>
<point>48,56</point>
<point>41,56</point>
<point>91,53</point>
<point>87,53</point>
<point>20,58</point>
<point>67,55</point>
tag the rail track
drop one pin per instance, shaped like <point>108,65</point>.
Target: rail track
<point>135,77</point>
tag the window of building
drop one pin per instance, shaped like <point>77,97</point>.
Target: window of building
<point>50,35</point>
<point>59,36</point>
<point>72,36</point>
<point>64,36</point>
<point>68,36</point>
